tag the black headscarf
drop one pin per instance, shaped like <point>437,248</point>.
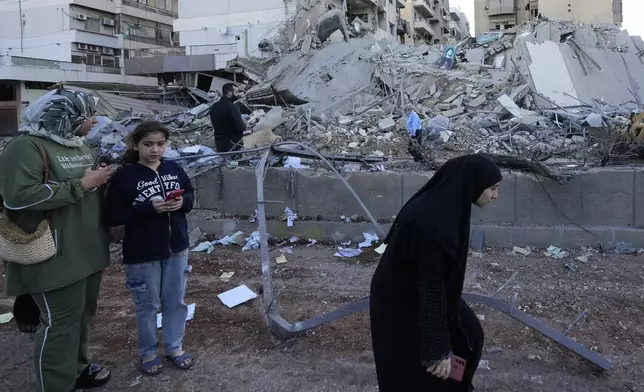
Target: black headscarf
<point>443,206</point>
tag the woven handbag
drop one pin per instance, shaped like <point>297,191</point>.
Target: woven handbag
<point>17,246</point>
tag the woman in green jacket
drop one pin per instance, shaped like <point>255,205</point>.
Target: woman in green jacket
<point>65,287</point>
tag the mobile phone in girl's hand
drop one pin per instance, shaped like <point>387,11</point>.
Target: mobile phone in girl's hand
<point>174,195</point>
<point>458,368</point>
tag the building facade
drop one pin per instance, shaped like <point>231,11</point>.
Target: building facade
<point>228,28</point>
<point>459,24</point>
<point>495,15</point>
<point>429,21</point>
<point>48,41</point>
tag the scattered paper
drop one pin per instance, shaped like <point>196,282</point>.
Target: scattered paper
<point>286,249</point>
<point>533,357</point>
<point>236,238</point>
<point>5,318</point>
<point>347,252</point>
<point>189,316</point>
<point>555,252</point>
<point>290,216</point>
<point>252,242</point>
<point>293,239</point>
<point>204,247</point>
<point>481,317</point>
<point>345,243</point>
<point>311,242</point>
<point>237,296</point>
<point>521,251</point>
<point>281,259</point>
<point>369,239</point>
<point>484,364</point>
<point>381,249</point>
<point>226,276</point>
<point>294,163</point>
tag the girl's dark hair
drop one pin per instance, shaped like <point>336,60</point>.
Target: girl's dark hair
<point>142,130</point>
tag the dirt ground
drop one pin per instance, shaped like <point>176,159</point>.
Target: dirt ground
<point>236,352</point>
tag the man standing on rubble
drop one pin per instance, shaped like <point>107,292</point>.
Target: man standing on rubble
<point>227,120</point>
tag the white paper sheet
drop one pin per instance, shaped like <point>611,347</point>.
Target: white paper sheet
<point>237,296</point>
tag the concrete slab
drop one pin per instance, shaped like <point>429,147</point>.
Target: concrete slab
<point>608,197</point>
<point>208,190</point>
<point>639,199</point>
<point>239,192</point>
<point>550,74</point>
<point>323,194</point>
<point>552,206</point>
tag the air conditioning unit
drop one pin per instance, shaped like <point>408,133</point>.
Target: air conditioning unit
<point>107,22</point>
<point>81,16</point>
<point>108,51</point>
<point>93,48</point>
<point>82,46</point>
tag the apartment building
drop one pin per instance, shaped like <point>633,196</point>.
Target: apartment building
<point>230,28</point>
<point>459,24</point>
<point>429,19</point>
<point>48,41</point>
<point>492,15</point>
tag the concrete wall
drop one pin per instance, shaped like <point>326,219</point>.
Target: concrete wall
<point>608,203</point>
<point>586,11</point>
<point>212,23</point>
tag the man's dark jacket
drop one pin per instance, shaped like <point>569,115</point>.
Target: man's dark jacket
<point>228,124</point>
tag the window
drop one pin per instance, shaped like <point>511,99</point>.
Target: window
<point>108,62</point>
<point>392,29</point>
<point>79,59</point>
<point>93,25</point>
<point>93,59</point>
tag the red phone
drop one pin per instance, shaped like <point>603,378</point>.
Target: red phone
<point>458,368</point>
<point>174,195</point>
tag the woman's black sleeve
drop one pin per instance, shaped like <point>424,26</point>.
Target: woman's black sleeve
<point>432,319</point>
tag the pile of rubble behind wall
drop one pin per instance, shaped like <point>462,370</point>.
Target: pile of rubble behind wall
<point>552,92</point>
<point>543,90</point>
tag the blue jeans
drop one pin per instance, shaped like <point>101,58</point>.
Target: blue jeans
<point>159,284</point>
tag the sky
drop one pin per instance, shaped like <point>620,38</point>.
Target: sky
<point>633,12</point>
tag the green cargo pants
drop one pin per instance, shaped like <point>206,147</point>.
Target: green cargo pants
<point>61,347</point>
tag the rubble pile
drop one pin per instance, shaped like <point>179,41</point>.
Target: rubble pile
<point>543,91</point>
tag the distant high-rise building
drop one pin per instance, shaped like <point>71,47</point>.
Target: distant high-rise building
<point>429,21</point>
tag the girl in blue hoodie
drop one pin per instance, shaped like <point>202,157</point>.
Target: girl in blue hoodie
<point>155,246</point>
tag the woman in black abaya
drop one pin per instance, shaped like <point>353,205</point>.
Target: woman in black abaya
<point>418,318</point>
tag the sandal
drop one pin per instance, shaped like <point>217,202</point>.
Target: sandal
<point>146,367</point>
<point>94,376</point>
<point>180,361</point>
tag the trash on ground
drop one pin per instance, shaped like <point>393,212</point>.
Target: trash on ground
<point>226,276</point>
<point>236,296</point>
<point>381,249</point>
<point>252,242</point>
<point>204,247</point>
<point>555,252</point>
<point>522,251</point>
<point>289,216</point>
<point>236,238</point>
<point>347,252</point>
<point>281,259</point>
<point>189,316</point>
<point>6,317</point>
<point>369,240</point>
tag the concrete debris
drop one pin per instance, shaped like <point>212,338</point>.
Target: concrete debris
<point>555,92</point>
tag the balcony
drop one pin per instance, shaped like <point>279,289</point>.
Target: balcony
<point>422,27</point>
<point>28,68</point>
<point>424,7</point>
<point>154,52</point>
<point>148,8</point>
<point>400,4</point>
